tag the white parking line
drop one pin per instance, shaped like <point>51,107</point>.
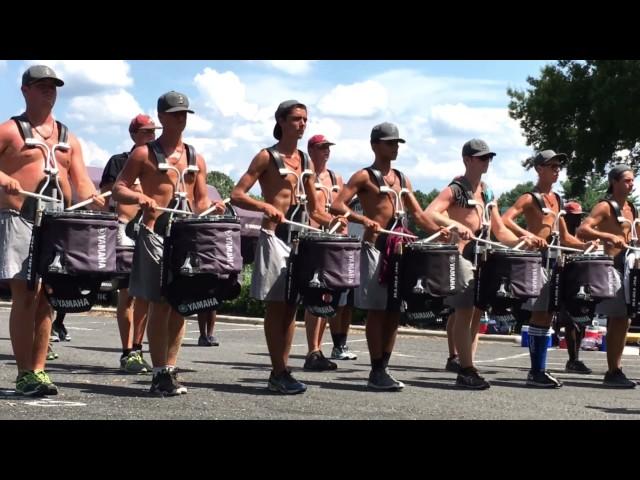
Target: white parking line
<point>503,358</point>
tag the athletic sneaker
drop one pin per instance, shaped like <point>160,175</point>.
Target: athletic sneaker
<point>472,380</point>
<point>453,364</point>
<point>51,355</point>
<point>617,379</point>
<point>133,363</point>
<point>381,379</point>
<point>317,362</point>
<point>165,383</point>
<point>213,340</point>
<point>576,366</point>
<point>542,379</point>
<point>285,383</point>
<point>343,353</point>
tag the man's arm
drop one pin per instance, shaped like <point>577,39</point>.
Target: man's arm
<point>568,240</point>
<point>439,206</point>
<point>8,183</point>
<point>514,211</point>
<point>355,184</point>
<point>242,199</point>
<point>79,175</point>
<point>122,189</point>
<point>506,236</point>
<point>200,194</point>
<point>588,228</point>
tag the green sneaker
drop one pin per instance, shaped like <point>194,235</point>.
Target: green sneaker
<point>29,384</point>
<point>144,362</point>
<point>134,364</point>
<point>50,387</point>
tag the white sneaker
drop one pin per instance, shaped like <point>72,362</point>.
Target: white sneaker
<point>343,353</point>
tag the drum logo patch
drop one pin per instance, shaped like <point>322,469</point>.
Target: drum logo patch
<point>102,248</point>
<point>228,245</point>
<point>351,267</point>
<point>452,272</point>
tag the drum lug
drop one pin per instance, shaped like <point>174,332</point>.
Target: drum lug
<point>56,265</point>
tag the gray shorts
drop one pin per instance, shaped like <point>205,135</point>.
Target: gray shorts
<point>370,295</point>
<point>144,281</point>
<point>15,238</point>
<point>466,285</point>
<point>541,303</point>
<point>122,240</point>
<point>270,268</point>
<point>617,306</point>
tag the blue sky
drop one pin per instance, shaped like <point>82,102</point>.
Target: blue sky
<point>438,105</point>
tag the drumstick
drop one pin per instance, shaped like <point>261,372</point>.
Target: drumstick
<point>37,195</point>
<point>566,249</point>
<point>437,234</point>
<point>495,244</point>
<point>518,246</point>
<point>87,201</point>
<point>399,234</point>
<point>173,210</point>
<point>337,225</point>
<point>309,227</point>
<point>591,247</point>
<point>211,209</point>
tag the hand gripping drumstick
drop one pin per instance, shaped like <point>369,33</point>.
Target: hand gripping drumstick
<point>337,225</point>
<point>211,209</point>
<point>437,234</point>
<point>87,201</point>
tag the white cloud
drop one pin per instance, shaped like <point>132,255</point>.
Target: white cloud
<point>292,67</point>
<point>3,65</point>
<point>92,154</point>
<point>363,99</point>
<point>108,108</point>
<point>197,124</point>
<point>225,93</point>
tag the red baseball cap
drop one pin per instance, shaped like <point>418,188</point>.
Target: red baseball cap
<point>318,140</point>
<point>142,122</point>
<point>573,207</point>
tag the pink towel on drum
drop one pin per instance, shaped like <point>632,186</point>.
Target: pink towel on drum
<point>390,246</point>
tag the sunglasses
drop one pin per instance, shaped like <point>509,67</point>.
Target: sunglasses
<point>554,166</point>
<point>488,157</point>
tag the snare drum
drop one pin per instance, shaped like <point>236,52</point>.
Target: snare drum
<point>78,243</point>
<point>585,280</point>
<point>201,263</point>
<point>507,278</point>
<point>75,251</point>
<point>322,267</point>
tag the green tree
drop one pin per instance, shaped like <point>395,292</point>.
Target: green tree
<point>586,109</point>
<point>223,183</point>
<point>424,199</point>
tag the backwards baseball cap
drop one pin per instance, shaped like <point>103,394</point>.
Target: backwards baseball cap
<point>616,172</point>
<point>476,148</point>
<point>40,72</point>
<point>282,111</point>
<point>142,122</point>
<point>173,102</point>
<point>385,131</point>
<point>546,156</point>
<point>318,140</point>
<point>573,207</point>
